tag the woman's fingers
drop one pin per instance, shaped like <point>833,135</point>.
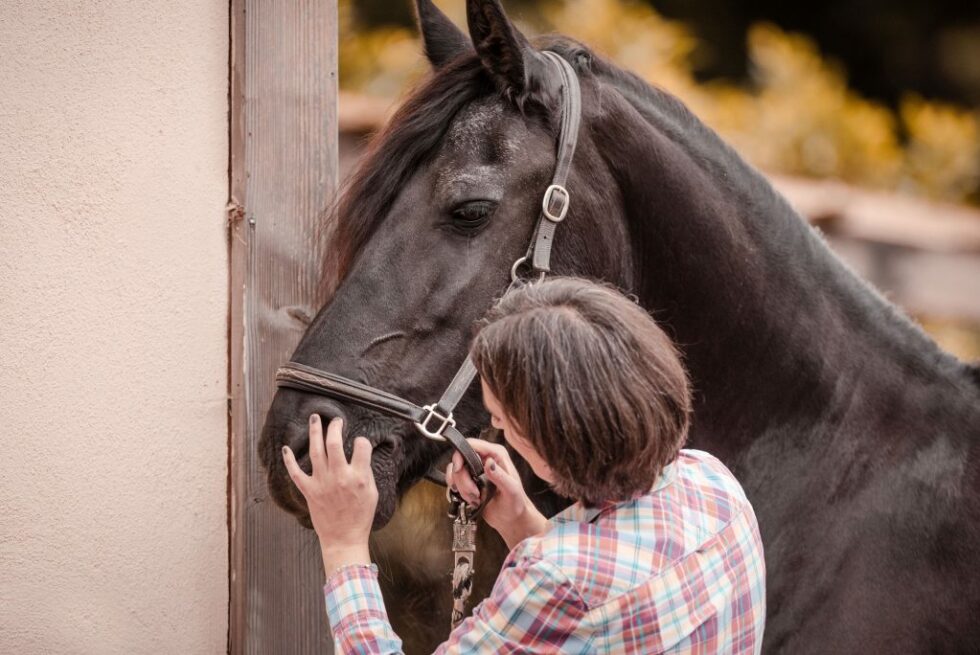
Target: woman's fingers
<point>458,474</point>
<point>317,457</point>
<point>489,449</point>
<point>486,449</point>
<point>336,457</point>
<point>361,458</point>
<point>508,484</point>
<point>296,474</point>
<point>464,481</point>
<point>328,454</point>
<point>459,478</point>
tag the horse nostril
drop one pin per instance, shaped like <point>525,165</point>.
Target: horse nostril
<point>298,433</point>
<point>326,409</point>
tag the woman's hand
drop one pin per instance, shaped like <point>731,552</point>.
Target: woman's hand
<point>341,497</point>
<point>510,512</point>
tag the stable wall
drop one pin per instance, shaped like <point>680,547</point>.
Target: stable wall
<point>113,327</point>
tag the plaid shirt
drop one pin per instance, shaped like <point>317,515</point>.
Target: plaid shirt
<point>678,570</point>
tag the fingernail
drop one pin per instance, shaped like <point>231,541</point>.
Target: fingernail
<point>493,466</point>
<point>457,467</point>
<point>285,449</point>
<point>314,418</point>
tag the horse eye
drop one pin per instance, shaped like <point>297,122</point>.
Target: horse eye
<point>472,215</point>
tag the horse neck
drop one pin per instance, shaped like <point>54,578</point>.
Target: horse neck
<point>775,329</point>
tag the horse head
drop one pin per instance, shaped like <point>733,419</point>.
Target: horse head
<point>428,230</point>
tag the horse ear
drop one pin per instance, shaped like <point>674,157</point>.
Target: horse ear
<point>442,39</point>
<point>505,52</point>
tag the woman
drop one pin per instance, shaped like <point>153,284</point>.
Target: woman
<point>659,553</point>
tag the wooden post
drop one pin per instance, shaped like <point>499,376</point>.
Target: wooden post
<point>283,167</point>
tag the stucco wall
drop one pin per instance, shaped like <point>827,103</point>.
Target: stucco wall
<point>113,310</point>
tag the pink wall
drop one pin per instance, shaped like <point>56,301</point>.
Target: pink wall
<point>113,326</point>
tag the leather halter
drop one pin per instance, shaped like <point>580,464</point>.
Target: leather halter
<point>436,421</point>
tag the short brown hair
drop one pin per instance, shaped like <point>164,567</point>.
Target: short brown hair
<point>591,380</point>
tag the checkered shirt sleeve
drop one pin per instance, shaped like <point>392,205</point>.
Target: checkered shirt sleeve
<point>533,608</point>
<point>679,570</point>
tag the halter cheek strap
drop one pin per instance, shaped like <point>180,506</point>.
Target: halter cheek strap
<point>554,205</point>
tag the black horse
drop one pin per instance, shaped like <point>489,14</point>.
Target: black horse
<point>856,438</point>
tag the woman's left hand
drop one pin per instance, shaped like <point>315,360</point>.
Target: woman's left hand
<point>341,497</point>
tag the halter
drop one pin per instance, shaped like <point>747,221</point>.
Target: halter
<point>435,421</point>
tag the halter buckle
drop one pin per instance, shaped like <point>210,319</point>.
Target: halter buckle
<point>435,435</point>
<point>549,195</point>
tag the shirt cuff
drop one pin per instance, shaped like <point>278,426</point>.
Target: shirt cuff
<point>351,590</point>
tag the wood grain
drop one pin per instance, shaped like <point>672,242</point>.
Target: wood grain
<point>283,170</point>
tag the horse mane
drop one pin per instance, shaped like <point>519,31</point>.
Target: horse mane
<point>406,143</point>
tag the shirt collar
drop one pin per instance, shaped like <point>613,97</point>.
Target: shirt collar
<point>577,512</point>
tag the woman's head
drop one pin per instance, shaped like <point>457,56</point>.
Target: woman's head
<point>586,377</point>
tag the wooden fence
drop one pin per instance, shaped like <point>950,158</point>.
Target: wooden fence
<point>283,168</point>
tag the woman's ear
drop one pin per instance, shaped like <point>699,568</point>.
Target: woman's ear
<point>441,38</point>
<point>516,67</point>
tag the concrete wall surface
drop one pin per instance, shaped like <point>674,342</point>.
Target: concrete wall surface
<point>113,326</point>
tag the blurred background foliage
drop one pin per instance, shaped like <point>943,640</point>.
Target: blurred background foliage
<point>788,108</point>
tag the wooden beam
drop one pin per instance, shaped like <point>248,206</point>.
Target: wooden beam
<point>890,218</point>
<point>283,171</point>
<point>939,285</point>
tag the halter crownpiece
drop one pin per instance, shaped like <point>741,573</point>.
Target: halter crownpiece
<point>435,421</point>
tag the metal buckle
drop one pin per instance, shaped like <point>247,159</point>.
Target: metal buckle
<point>436,435</point>
<point>546,203</point>
<point>516,266</point>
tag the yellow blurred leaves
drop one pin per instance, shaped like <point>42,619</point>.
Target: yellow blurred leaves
<point>942,158</point>
<point>631,34</point>
<point>800,117</point>
<point>797,115</point>
<point>380,61</point>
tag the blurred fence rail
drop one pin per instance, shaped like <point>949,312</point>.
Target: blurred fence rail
<point>887,218</point>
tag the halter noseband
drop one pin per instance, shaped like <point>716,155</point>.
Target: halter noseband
<point>435,421</point>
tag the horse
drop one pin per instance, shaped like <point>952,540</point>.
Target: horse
<point>853,434</point>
